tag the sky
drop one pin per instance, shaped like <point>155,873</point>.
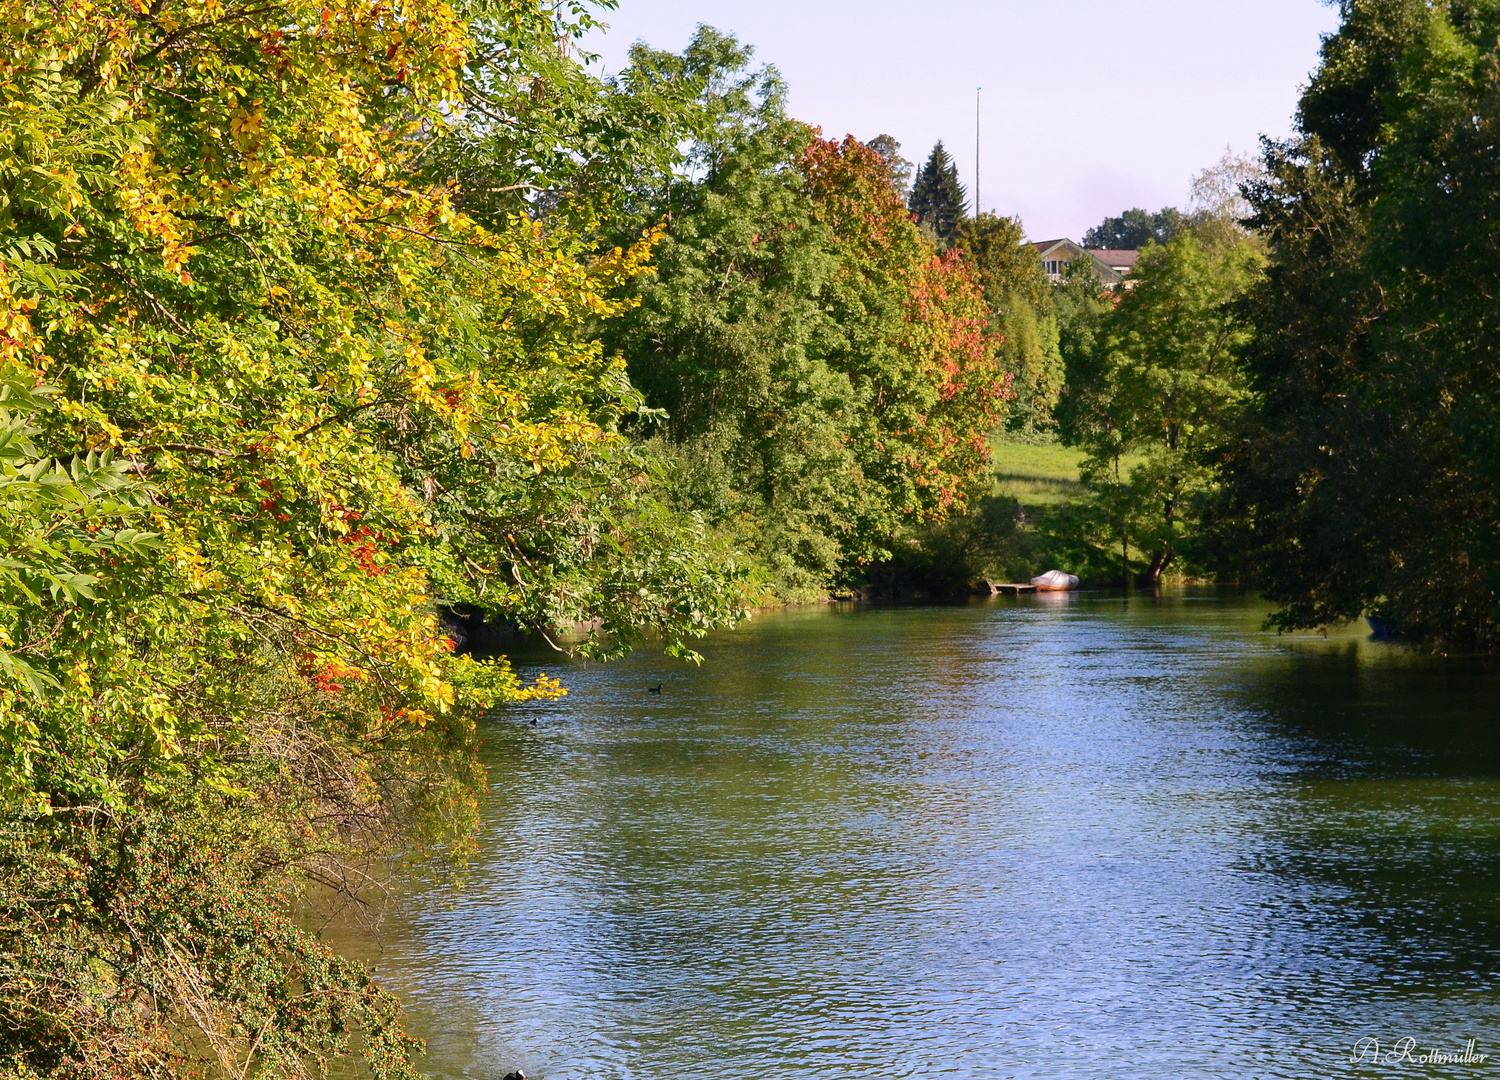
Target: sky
<point>1088,107</point>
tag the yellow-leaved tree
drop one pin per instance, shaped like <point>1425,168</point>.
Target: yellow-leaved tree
<point>266,394</point>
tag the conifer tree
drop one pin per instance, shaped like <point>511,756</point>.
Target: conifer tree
<point>937,198</point>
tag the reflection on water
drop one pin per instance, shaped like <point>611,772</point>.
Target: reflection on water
<point>1047,837</point>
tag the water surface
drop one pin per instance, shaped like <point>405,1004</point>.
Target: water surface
<point>1047,837</point>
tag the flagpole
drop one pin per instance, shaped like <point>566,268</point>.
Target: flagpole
<point>976,151</point>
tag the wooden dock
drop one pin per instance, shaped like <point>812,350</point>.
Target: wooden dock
<point>1009,588</point>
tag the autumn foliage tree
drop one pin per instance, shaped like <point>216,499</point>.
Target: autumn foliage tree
<point>827,377</point>
<point>915,336</point>
<point>267,394</point>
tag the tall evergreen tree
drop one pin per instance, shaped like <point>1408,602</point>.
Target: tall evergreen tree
<point>937,198</point>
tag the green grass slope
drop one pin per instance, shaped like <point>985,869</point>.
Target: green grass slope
<point>1038,476</point>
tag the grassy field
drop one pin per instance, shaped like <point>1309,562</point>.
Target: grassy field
<point>1058,527</point>
<point>1038,476</point>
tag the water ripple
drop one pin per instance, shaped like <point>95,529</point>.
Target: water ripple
<point>1078,838</point>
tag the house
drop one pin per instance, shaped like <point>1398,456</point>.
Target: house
<point>1110,267</point>
<point>1120,261</point>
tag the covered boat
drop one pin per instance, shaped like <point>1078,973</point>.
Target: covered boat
<point>1055,581</point>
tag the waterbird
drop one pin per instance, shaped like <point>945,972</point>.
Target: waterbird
<point>654,689</point>
<point>517,1075</point>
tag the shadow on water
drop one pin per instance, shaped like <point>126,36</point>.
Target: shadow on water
<point>1070,835</point>
<point>1393,805</point>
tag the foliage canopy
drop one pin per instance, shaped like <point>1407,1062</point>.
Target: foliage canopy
<point>827,376</point>
<point>1159,402</point>
<point>1367,471</point>
<point>269,391</point>
<point>1135,229</point>
<point>1023,314</point>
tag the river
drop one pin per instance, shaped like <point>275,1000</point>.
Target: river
<point>1051,837</point>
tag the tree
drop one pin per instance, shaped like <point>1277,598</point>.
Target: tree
<point>1218,192</point>
<point>1021,304</point>
<point>539,135</point>
<point>1367,468</point>
<point>937,199</point>
<point>826,376</point>
<point>900,169</point>
<point>1169,387</point>
<point>914,334</point>
<point>1135,229</point>
<point>1083,305</point>
<point>724,334</point>
<point>1005,265</point>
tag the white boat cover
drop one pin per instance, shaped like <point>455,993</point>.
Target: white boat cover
<point>1056,579</point>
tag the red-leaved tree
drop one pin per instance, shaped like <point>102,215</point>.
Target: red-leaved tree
<point>913,328</point>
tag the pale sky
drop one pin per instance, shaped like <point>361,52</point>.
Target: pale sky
<point>1089,106</point>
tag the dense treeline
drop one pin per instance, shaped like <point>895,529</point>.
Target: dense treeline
<point>1136,228</point>
<point>282,368</point>
<point>1366,474</point>
<point>1301,389</point>
<point>827,377</point>
<point>318,318</point>
<point>1323,423</point>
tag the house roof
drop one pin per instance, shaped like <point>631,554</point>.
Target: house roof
<point>1122,259</point>
<point>1049,247</point>
<point>1046,247</point>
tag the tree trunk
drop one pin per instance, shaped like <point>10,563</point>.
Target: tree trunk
<point>1164,556</point>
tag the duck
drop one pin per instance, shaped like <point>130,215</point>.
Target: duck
<point>654,689</point>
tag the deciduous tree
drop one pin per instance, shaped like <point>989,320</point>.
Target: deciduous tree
<point>1367,470</point>
<point>1135,229</point>
<point>1024,315</point>
<point>1169,386</point>
<point>827,376</point>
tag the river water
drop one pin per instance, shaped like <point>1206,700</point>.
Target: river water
<point>1053,837</point>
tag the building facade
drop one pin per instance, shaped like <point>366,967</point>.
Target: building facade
<point>1110,267</point>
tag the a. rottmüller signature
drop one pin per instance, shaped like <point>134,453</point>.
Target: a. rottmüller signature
<point>1405,1052</point>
